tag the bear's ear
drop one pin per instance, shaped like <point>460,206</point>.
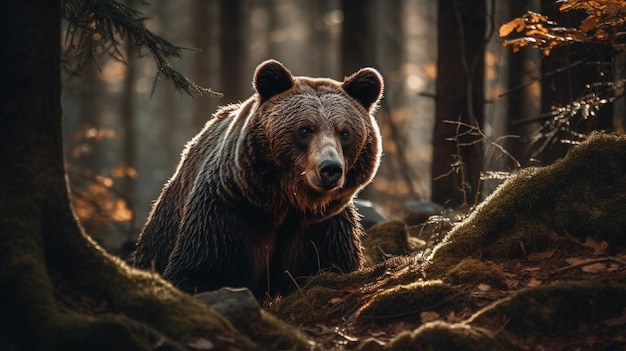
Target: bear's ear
<point>366,86</point>
<point>271,78</point>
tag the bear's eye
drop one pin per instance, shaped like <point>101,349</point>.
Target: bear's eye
<point>344,135</point>
<point>305,131</point>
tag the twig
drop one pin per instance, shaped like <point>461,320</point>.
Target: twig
<point>474,130</point>
<point>293,280</point>
<point>590,261</point>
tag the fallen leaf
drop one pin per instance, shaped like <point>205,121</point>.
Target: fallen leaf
<point>400,327</point>
<point>599,247</point>
<point>483,287</point>
<point>576,260</point>
<point>613,267</point>
<point>201,344</point>
<point>616,322</point>
<point>594,268</point>
<point>452,317</point>
<point>540,256</point>
<point>531,269</point>
<point>429,316</point>
<point>511,283</point>
<point>534,282</point>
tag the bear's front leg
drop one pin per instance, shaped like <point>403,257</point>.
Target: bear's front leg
<point>338,241</point>
<point>331,245</point>
<point>213,248</point>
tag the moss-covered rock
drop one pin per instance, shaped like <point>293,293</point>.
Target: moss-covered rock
<point>440,336</point>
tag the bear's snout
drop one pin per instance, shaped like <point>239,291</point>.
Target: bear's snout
<point>330,172</point>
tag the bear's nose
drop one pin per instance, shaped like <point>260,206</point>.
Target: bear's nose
<point>330,172</point>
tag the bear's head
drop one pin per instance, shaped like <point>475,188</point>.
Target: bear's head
<point>316,137</point>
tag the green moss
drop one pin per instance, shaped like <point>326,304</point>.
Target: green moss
<point>178,315</point>
<point>274,334</point>
<point>336,281</point>
<point>474,272</point>
<point>388,239</point>
<point>555,309</point>
<point>27,302</point>
<point>331,297</point>
<point>440,336</point>
<point>581,194</point>
<point>405,302</point>
<point>309,304</point>
<point>105,332</point>
<point>143,310</point>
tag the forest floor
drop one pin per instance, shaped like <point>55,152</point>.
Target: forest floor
<point>539,265</point>
<point>354,316</point>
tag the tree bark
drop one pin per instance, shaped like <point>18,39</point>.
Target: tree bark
<point>356,35</point>
<point>41,242</point>
<point>232,53</point>
<point>457,162</point>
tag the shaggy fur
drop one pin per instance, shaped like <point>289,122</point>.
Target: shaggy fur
<point>251,198</point>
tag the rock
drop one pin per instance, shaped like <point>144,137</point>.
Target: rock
<point>371,214</point>
<point>238,305</point>
<point>416,212</point>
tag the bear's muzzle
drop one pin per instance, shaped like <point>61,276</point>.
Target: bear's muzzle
<point>330,172</point>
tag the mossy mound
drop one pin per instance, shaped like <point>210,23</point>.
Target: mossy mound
<point>561,315</point>
<point>583,194</point>
<point>559,308</point>
<point>332,297</point>
<point>274,334</point>
<point>171,314</point>
<point>473,272</point>
<point>405,302</point>
<point>388,239</point>
<point>440,336</point>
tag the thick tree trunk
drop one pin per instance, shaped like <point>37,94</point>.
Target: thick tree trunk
<point>33,193</point>
<point>457,162</point>
<point>41,242</point>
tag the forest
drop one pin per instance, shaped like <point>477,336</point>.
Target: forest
<point>494,221</point>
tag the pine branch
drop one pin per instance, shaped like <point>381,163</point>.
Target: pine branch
<point>101,27</point>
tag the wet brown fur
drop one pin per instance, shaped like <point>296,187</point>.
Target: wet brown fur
<point>244,204</point>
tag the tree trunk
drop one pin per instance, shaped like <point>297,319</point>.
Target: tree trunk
<point>457,161</point>
<point>42,245</point>
<point>356,35</point>
<point>128,142</point>
<point>203,61</point>
<point>231,49</point>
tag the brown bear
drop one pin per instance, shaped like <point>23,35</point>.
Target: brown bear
<point>263,194</point>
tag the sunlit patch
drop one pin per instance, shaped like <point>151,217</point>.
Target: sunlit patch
<point>414,82</point>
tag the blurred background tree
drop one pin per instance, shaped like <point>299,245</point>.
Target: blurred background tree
<point>449,137</point>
